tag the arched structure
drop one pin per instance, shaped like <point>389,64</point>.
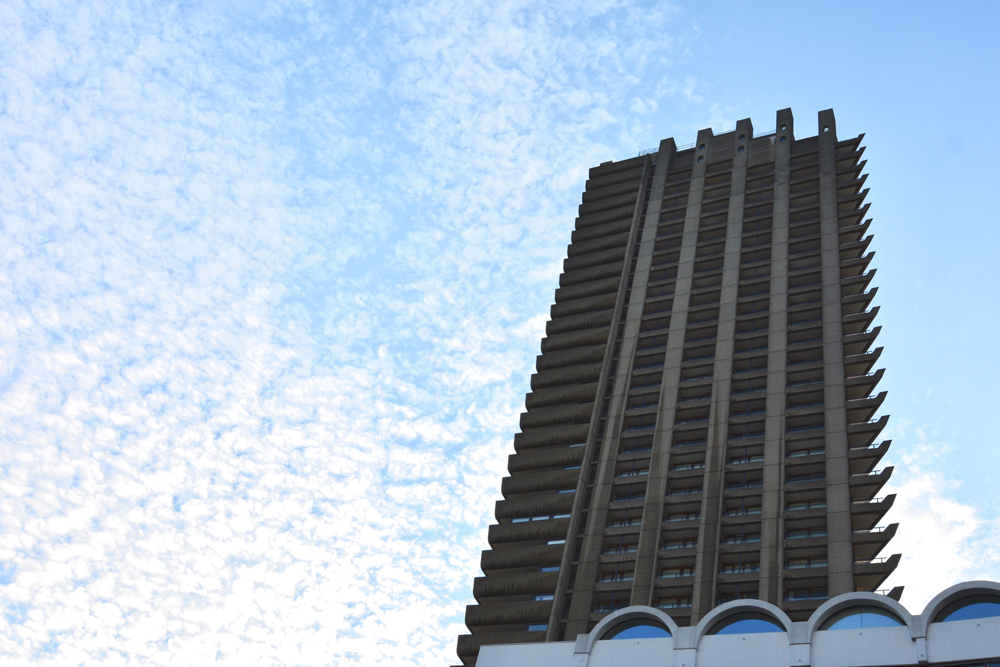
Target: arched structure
<point>628,615</point>
<point>849,600</point>
<point>920,640</point>
<point>953,594</point>
<point>719,615</point>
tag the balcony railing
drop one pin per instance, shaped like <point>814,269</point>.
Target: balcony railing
<point>876,529</point>
<point>685,544</point>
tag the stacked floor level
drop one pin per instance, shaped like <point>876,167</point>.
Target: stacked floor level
<point>700,428</point>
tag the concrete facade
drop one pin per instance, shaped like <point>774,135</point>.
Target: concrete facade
<point>700,427</point>
<point>918,640</point>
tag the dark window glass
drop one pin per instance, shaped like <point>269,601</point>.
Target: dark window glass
<point>861,617</point>
<point>746,624</point>
<point>966,609</point>
<point>637,630</point>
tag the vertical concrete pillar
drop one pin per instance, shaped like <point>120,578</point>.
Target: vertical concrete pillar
<point>649,536</point>
<point>618,380</point>
<point>707,565</point>
<point>840,554</point>
<point>663,439</point>
<point>772,501</point>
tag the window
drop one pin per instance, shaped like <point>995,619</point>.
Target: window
<point>701,158</point>
<point>803,534</point>
<point>747,623</point>
<point>542,598</point>
<point>861,617</point>
<point>740,149</point>
<point>783,127</point>
<point>968,608</point>
<point>676,572</point>
<point>784,139</point>
<point>638,629</point>
<point>538,627</point>
<point>680,602</point>
<point>806,594</point>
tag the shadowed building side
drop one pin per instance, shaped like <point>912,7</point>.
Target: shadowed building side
<point>700,427</point>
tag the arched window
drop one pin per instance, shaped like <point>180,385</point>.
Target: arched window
<point>861,617</point>
<point>747,623</point>
<point>968,608</point>
<point>642,628</point>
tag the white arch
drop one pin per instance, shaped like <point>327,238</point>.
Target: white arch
<point>951,594</point>
<point>734,607</point>
<point>849,600</point>
<point>637,612</point>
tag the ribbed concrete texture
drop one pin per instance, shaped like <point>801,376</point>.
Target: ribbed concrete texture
<point>700,426</point>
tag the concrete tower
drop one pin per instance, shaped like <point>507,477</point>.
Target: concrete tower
<point>700,426</point>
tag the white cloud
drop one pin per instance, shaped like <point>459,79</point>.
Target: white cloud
<point>273,284</point>
<point>942,539</point>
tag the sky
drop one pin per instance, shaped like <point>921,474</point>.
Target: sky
<point>274,277</point>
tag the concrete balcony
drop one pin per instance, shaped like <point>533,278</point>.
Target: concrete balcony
<point>865,433</point>
<point>857,284</point>
<point>869,574</point>
<point>604,229</point>
<point>865,514</point>
<point>581,393</point>
<point>543,555</point>
<point>545,458</point>
<point>851,202</point>
<point>533,482</point>
<point>507,613</point>
<point>541,505</point>
<point>864,487</point>
<point>861,410</point>
<point>868,543</point>
<point>855,267</point>
<point>859,343</point>
<point>861,364</point>
<point>857,303</point>
<point>853,217</point>
<point>861,386</point>
<point>525,583</point>
<point>864,459</point>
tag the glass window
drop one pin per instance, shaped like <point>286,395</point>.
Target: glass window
<point>746,624</point>
<point>968,608</point>
<point>861,617</point>
<point>640,629</point>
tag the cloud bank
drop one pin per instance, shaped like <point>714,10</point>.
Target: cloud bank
<point>273,281</point>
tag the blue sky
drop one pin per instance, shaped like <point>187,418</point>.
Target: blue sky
<point>274,277</point>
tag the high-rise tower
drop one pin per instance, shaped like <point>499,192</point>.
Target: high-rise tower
<point>700,426</point>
